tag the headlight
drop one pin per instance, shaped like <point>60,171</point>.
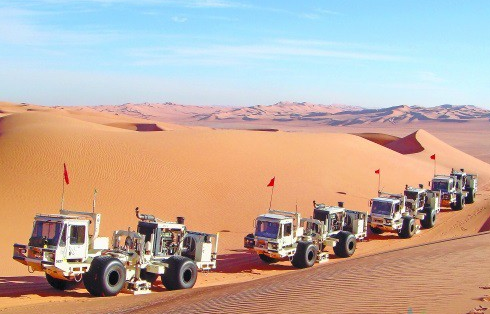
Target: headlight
<point>273,246</point>
<point>49,256</point>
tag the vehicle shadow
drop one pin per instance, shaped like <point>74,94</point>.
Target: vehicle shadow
<point>25,286</point>
<point>19,286</point>
<point>244,261</point>
<point>384,236</point>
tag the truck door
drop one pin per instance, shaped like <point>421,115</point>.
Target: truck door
<point>287,234</point>
<point>77,245</point>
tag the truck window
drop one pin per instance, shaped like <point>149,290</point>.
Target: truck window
<point>287,229</point>
<point>63,237</point>
<point>77,235</point>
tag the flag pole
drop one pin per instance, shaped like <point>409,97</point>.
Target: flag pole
<point>434,167</point>
<point>63,192</point>
<point>270,203</point>
<point>379,181</point>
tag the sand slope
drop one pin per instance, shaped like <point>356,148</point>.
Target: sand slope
<point>215,178</point>
<point>419,279</point>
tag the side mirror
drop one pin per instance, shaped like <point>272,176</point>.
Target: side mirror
<point>370,203</point>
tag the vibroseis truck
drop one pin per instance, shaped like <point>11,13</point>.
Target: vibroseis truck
<point>62,247</point>
<point>282,234</point>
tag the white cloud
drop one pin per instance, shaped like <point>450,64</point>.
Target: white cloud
<point>244,54</point>
<point>179,19</point>
<point>327,12</point>
<point>310,16</point>
<point>430,77</point>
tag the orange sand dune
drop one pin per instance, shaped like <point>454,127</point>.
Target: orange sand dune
<point>378,138</point>
<point>406,145</point>
<point>215,178</point>
<point>418,279</point>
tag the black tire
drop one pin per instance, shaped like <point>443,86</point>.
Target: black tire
<point>375,230</point>
<point>460,201</point>
<point>89,278</point>
<point>150,277</point>
<point>105,277</point>
<point>305,255</point>
<point>248,241</point>
<point>408,228</point>
<point>429,220</point>
<point>180,274</point>
<point>268,259</point>
<point>470,198</point>
<point>60,284</point>
<point>346,245</point>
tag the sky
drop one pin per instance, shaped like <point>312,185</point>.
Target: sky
<point>369,53</point>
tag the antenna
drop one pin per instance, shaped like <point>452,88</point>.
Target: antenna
<point>93,203</point>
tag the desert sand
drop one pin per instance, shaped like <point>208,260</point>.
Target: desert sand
<point>217,179</point>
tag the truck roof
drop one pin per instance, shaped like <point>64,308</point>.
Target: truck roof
<point>385,199</point>
<point>58,217</point>
<point>442,177</point>
<point>333,209</point>
<point>274,216</point>
<point>418,190</point>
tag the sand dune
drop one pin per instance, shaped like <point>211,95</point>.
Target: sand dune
<point>378,138</point>
<point>298,114</point>
<point>215,178</point>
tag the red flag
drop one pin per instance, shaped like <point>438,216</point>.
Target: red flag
<point>433,157</point>
<point>272,182</point>
<point>377,171</point>
<point>65,173</point>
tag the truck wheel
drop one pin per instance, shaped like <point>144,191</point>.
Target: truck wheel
<point>60,284</point>
<point>150,277</point>
<point>91,276</point>
<point>111,277</point>
<point>248,241</point>
<point>267,259</point>
<point>429,219</point>
<point>470,198</point>
<point>180,274</point>
<point>408,228</point>
<point>459,202</point>
<point>105,277</point>
<point>375,230</point>
<point>346,245</point>
<point>305,255</point>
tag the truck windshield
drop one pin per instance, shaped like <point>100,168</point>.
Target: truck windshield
<point>440,186</point>
<point>381,208</point>
<point>267,229</point>
<point>45,233</point>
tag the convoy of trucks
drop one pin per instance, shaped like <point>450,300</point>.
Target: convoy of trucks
<point>67,247</point>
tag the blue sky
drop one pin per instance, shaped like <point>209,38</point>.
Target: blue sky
<point>220,52</point>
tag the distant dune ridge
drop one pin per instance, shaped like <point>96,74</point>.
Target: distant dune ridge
<point>298,113</point>
<point>215,178</point>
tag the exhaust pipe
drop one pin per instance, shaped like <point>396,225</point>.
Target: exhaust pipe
<point>144,217</point>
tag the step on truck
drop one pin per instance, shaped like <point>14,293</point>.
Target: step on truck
<point>281,234</point>
<point>457,189</point>
<point>62,247</point>
<point>398,212</point>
